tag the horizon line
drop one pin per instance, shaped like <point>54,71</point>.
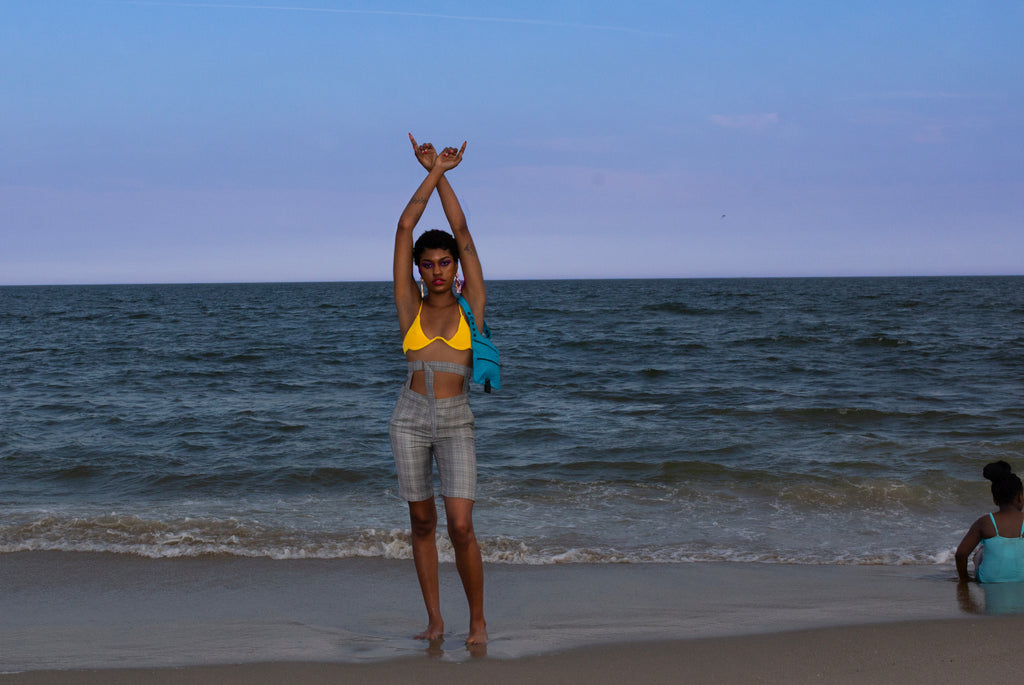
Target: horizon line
<point>499,280</point>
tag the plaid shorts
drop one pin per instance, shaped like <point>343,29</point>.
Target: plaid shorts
<point>424,429</point>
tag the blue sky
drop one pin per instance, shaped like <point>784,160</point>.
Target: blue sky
<point>266,141</point>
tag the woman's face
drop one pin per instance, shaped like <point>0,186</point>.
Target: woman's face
<point>437,269</point>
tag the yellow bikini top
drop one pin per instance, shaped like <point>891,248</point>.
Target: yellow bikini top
<point>416,339</point>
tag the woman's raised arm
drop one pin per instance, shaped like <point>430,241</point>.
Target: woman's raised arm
<point>407,295</point>
<point>474,289</point>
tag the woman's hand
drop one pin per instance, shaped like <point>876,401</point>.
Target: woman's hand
<point>450,157</point>
<point>425,153</point>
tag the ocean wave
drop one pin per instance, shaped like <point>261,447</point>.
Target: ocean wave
<point>193,537</point>
<point>680,308</point>
<point>881,340</point>
<point>198,537</point>
<point>837,483</point>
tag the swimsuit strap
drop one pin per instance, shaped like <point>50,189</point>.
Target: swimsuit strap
<point>997,527</point>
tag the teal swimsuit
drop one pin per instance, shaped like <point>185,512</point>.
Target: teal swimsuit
<point>1002,559</point>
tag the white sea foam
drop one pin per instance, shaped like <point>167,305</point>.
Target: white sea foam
<point>193,537</point>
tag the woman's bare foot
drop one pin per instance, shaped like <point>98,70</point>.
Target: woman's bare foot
<point>434,631</point>
<point>477,634</point>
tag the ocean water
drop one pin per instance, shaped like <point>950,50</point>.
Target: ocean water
<point>809,421</point>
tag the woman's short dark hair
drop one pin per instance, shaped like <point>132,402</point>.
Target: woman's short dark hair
<point>1006,486</point>
<point>434,239</point>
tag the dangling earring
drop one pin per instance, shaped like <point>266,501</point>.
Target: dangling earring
<point>458,284</point>
<point>423,290</point>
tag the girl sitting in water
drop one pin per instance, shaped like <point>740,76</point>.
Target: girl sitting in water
<point>1001,534</point>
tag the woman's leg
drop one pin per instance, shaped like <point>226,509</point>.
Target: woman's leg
<point>459,512</point>
<point>423,519</point>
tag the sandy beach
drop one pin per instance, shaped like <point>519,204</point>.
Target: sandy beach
<point>113,618</point>
<point>910,652</point>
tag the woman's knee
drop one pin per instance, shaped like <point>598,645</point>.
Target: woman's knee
<point>460,530</point>
<point>422,518</point>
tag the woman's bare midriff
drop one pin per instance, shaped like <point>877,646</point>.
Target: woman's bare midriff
<point>445,384</point>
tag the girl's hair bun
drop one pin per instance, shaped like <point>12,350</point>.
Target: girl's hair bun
<point>996,470</point>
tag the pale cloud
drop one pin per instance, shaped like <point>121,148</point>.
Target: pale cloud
<point>918,95</point>
<point>570,184</point>
<point>393,13</point>
<point>746,122</point>
<point>930,133</point>
<point>919,129</point>
<point>597,145</point>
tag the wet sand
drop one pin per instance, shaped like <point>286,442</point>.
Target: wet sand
<point>914,652</point>
<point>99,618</point>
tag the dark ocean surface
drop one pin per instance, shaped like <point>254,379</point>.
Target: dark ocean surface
<point>812,421</point>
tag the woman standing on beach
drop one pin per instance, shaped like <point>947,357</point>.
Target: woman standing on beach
<point>432,420</point>
<point>1001,534</point>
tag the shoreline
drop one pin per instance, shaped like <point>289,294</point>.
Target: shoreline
<point>928,651</point>
<point>62,611</point>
